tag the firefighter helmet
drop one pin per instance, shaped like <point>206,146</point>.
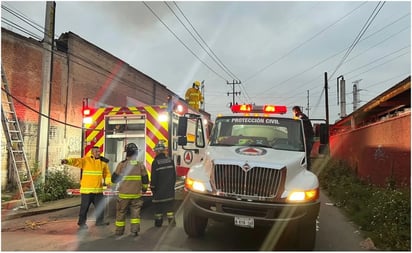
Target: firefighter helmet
<point>160,146</point>
<point>131,149</point>
<point>196,84</point>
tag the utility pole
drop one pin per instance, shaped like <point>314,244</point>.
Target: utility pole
<point>45,99</point>
<point>233,93</point>
<point>307,106</point>
<point>327,112</point>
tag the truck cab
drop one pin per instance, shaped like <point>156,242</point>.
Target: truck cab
<point>254,174</point>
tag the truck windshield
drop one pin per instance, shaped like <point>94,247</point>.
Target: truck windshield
<point>277,133</point>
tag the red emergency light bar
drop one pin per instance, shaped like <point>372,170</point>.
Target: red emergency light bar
<point>241,108</point>
<point>268,109</point>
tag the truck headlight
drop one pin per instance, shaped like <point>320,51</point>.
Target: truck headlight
<point>194,185</point>
<point>303,196</point>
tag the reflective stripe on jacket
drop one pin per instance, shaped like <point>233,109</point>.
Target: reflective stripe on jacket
<point>134,179</point>
<point>95,173</point>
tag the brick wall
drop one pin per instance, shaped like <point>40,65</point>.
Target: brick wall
<point>80,70</point>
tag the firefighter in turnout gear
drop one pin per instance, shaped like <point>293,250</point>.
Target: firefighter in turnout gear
<point>163,180</point>
<point>131,175</point>
<point>194,96</point>
<point>95,174</point>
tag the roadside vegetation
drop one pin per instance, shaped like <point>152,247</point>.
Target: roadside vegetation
<point>56,183</point>
<point>381,213</point>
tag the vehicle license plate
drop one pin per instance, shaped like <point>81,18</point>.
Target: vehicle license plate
<point>246,222</point>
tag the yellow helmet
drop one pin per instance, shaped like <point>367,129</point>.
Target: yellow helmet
<point>197,84</point>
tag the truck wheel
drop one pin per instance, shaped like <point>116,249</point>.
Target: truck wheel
<point>307,235</point>
<point>194,225</point>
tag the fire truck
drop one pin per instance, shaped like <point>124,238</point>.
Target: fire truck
<point>253,175</point>
<point>112,128</point>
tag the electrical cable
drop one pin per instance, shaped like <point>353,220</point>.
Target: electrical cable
<point>224,67</point>
<point>336,54</point>
<point>18,27</point>
<point>24,19</point>
<point>303,43</point>
<point>177,37</point>
<point>365,27</point>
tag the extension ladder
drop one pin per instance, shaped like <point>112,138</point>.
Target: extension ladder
<point>14,137</point>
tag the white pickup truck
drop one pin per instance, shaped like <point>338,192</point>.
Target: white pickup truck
<point>254,174</point>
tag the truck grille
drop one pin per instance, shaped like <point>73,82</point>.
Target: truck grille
<point>257,182</point>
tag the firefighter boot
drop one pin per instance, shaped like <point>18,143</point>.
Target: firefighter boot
<point>171,219</point>
<point>158,220</point>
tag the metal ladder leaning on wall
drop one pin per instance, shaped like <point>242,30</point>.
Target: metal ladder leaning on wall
<point>14,137</point>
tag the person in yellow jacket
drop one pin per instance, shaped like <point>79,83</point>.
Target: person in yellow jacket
<point>95,174</point>
<point>131,175</point>
<point>194,96</point>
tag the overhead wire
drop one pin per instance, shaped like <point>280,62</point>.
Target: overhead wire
<point>365,27</point>
<point>214,57</point>
<point>177,37</point>
<point>304,42</point>
<point>19,27</point>
<point>24,19</point>
<point>209,51</point>
<point>107,74</point>
<point>341,51</point>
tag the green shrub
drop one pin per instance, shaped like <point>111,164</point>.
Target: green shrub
<point>56,183</point>
<point>383,214</point>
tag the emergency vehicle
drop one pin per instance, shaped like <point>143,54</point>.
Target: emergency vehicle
<point>254,174</point>
<point>112,128</point>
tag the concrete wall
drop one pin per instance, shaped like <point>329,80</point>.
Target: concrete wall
<point>378,151</point>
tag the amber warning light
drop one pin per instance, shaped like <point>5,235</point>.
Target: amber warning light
<point>267,109</point>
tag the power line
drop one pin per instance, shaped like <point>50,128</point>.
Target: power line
<point>359,36</point>
<point>174,34</point>
<point>215,58</point>
<point>18,27</point>
<point>24,19</point>
<point>303,43</point>
<point>336,54</point>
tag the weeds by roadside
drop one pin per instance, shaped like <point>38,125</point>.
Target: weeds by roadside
<point>382,213</point>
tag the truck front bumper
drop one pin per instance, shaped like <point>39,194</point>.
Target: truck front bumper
<point>263,213</point>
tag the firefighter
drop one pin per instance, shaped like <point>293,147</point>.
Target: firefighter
<point>309,134</point>
<point>95,174</point>
<point>163,180</point>
<point>131,175</point>
<point>194,96</point>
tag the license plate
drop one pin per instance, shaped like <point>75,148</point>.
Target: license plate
<point>246,222</point>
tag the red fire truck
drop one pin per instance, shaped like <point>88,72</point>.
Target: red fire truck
<point>111,128</point>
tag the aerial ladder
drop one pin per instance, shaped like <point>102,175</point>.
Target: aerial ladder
<point>15,147</point>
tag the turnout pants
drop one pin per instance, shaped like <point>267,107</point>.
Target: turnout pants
<point>162,208</point>
<point>134,206</point>
<point>98,202</point>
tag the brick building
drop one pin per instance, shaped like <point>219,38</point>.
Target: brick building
<point>80,70</point>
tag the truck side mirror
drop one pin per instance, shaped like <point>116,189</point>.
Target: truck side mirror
<point>182,127</point>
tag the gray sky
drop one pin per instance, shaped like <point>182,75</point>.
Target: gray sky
<point>278,50</point>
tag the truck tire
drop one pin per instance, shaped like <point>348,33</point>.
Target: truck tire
<point>193,224</point>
